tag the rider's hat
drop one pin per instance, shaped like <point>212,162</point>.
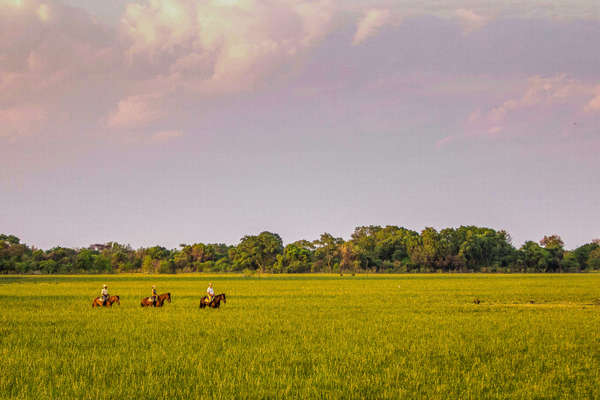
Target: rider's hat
<point>105,286</point>
<point>153,286</point>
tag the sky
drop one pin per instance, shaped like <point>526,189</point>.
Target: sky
<point>180,121</point>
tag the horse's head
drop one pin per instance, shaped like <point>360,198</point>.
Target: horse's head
<point>118,300</point>
<point>224,299</point>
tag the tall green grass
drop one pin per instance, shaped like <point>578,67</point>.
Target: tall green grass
<point>307,336</point>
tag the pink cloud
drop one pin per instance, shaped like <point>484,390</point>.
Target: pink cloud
<point>369,24</point>
<point>53,54</point>
<point>594,104</point>
<point>221,46</point>
<point>21,121</point>
<point>540,94</point>
<point>165,136</point>
<point>445,141</point>
<point>163,51</point>
<point>135,112</point>
<point>204,49</point>
<point>48,52</point>
<point>545,104</point>
<point>470,20</point>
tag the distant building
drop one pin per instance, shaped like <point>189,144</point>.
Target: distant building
<point>99,247</point>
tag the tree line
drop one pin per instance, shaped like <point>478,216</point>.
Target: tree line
<point>370,249</point>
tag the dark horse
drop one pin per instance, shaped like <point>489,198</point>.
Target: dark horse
<point>109,302</point>
<point>215,303</point>
<point>160,300</point>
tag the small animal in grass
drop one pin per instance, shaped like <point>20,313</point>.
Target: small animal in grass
<point>476,301</point>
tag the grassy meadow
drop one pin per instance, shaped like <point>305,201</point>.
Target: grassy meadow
<point>303,336</point>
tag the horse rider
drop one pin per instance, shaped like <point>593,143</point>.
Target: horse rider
<point>210,293</point>
<point>104,294</point>
<point>154,295</point>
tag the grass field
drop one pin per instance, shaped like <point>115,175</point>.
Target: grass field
<point>308,336</point>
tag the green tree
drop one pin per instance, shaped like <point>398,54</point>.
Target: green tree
<point>582,253</point>
<point>348,258</point>
<point>166,267</point>
<point>296,257</point>
<point>533,257</point>
<point>258,252</point>
<point>594,259</point>
<point>555,247</point>
<point>84,260</point>
<point>149,265</point>
<point>158,253</point>
<point>49,266</point>
<point>326,253</point>
<point>569,262</point>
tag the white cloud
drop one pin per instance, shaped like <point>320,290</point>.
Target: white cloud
<point>369,24</point>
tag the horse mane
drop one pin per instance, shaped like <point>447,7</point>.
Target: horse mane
<point>219,297</point>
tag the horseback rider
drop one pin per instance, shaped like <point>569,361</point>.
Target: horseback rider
<point>210,293</point>
<point>104,294</point>
<point>154,296</point>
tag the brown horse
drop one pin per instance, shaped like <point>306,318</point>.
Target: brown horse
<point>111,300</point>
<point>160,300</point>
<point>215,303</point>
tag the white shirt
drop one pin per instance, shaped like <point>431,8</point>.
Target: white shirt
<point>210,291</point>
<point>104,292</point>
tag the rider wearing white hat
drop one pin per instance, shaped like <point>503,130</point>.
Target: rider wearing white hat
<point>104,294</point>
<point>210,292</point>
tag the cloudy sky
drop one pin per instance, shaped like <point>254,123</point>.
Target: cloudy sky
<point>176,121</point>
